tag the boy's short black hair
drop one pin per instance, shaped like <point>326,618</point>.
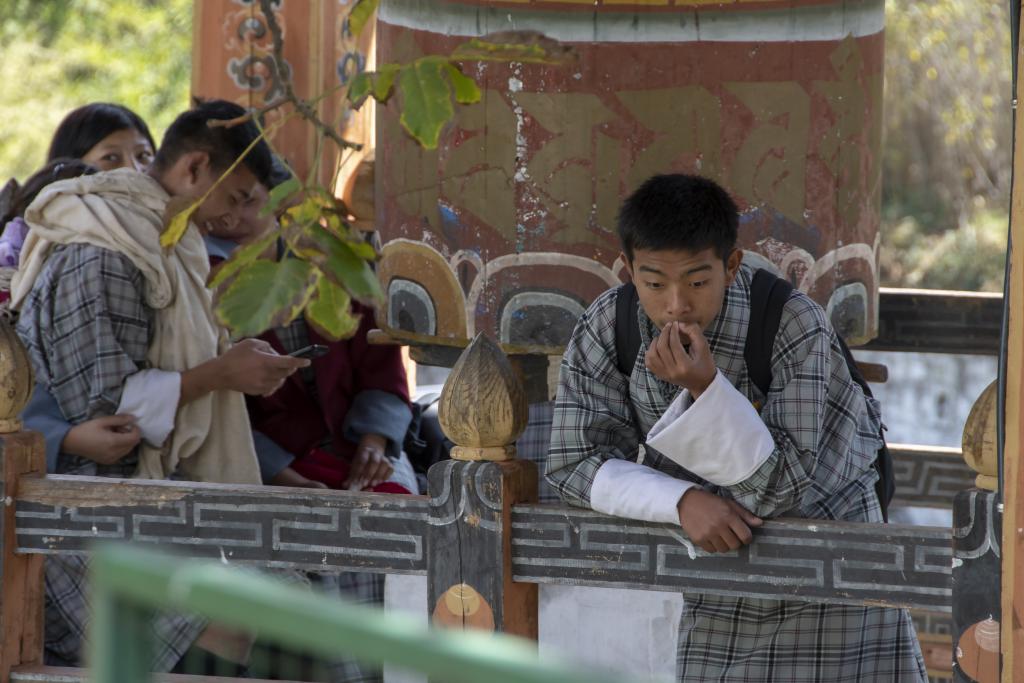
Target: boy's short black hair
<point>679,212</point>
<point>224,144</point>
<point>86,126</point>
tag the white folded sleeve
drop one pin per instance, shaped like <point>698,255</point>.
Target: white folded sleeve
<point>152,397</point>
<point>719,437</point>
<point>628,489</point>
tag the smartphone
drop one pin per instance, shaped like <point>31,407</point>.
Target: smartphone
<point>311,351</point>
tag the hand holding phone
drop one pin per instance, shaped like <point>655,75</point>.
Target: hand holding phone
<point>311,351</point>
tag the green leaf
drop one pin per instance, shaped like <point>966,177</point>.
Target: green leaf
<point>379,83</point>
<point>279,194</point>
<point>363,250</point>
<point>515,46</point>
<point>330,311</point>
<point>466,89</point>
<point>426,100</point>
<point>240,258</point>
<point>360,15</point>
<point>266,294</point>
<point>178,224</point>
<point>361,85</point>
<point>385,81</point>
<point>340,263</point>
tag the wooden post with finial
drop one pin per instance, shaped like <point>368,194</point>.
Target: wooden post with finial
<point>21,453</point>
<point>482,410</point>
<point>977,530</point>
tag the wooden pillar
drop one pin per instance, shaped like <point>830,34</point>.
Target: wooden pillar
<point>977,528</point>
<point>21,453</point>
<point>482,410</point>
<point>1013,445</point>
<point>232,58</point>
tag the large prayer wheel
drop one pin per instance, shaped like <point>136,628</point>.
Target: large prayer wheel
<point>509,227</point>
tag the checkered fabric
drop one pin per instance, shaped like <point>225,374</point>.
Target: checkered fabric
<point>87,328</point>
<point>534,443</point>
<point>826,437</point>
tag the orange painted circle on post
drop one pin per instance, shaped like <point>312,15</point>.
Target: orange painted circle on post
<point>462,606</point>
<point>780,102</point>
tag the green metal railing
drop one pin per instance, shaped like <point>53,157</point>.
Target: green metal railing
<point>128,583</point>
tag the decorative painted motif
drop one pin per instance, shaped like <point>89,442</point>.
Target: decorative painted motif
<point>519,202</point>
<point>233,59</point>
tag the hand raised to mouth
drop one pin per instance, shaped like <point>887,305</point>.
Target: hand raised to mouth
<point>680,355</point>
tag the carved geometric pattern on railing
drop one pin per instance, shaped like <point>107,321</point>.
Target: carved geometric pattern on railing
<point>929,476</point>
<point>308,529</point>
<point>938,322</point>
<point>817,562</point>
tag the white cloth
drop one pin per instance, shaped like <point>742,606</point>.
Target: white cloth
<point>628,489</point>
<point>152,396</point>
<point>719,437</point>
<point>123,211</point>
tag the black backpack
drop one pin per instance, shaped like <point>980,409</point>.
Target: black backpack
<point>768,296</point>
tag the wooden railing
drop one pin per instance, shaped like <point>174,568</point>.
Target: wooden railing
<point>480,531</point>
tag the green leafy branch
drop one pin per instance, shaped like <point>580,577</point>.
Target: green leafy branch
<point>313,260</point>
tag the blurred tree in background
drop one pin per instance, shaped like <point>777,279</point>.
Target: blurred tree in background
<point>59,54</point>
<point>946,181</point>
<point>948,124</point>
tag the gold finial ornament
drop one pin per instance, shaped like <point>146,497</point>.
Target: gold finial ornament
<point>979,441</point>
<point>16,379</point>
<point>483,407</point>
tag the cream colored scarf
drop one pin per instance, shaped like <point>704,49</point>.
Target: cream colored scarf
<point>123,211</point>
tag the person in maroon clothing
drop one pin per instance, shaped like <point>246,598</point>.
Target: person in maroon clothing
<point>341,423</point>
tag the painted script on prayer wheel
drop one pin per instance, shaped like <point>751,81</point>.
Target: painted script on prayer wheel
<point>509,226</point>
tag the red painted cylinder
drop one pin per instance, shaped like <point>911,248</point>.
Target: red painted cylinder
<point>509,227</point>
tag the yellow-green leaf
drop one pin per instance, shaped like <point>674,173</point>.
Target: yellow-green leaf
<point>360,15</point>
<point>426,100</point>
<point>266,294</point>
<point>339,262</point>
<point>360,87</point>
<point>515,46</point>
<point>363,250</point>
<point>279,194</point>
<point>178,225</point>
<point>330,311</point>
<point>240,258</point>
<point>385,81</point>
<point>466,89</point>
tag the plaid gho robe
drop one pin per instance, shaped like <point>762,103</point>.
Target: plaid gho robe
<point>101,334</point>
<point>826,436</point>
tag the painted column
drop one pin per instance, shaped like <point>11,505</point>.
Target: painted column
<point>232,59</point>
<point>509,227</point>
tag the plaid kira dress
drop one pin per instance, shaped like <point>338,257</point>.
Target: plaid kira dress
<point>826,437</point>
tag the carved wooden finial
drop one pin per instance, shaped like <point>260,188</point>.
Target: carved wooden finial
<point>16,379</point>
<point>483,406</point>
<point>979,441</point>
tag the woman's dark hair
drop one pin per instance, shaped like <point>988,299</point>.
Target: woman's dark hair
<point>84,127</point>
<point>58,169</point>
<point>191,132</point>
<point>679,212</point>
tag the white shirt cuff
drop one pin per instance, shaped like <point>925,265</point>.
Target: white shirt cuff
<point>628,489</point>
<point>719,437</point>
<point>152,397</point>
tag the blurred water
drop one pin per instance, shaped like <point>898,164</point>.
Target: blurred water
<point>928,396</point>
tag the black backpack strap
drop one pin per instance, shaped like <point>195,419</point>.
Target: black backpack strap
<point>627,329</point>
<point>768,296</point>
